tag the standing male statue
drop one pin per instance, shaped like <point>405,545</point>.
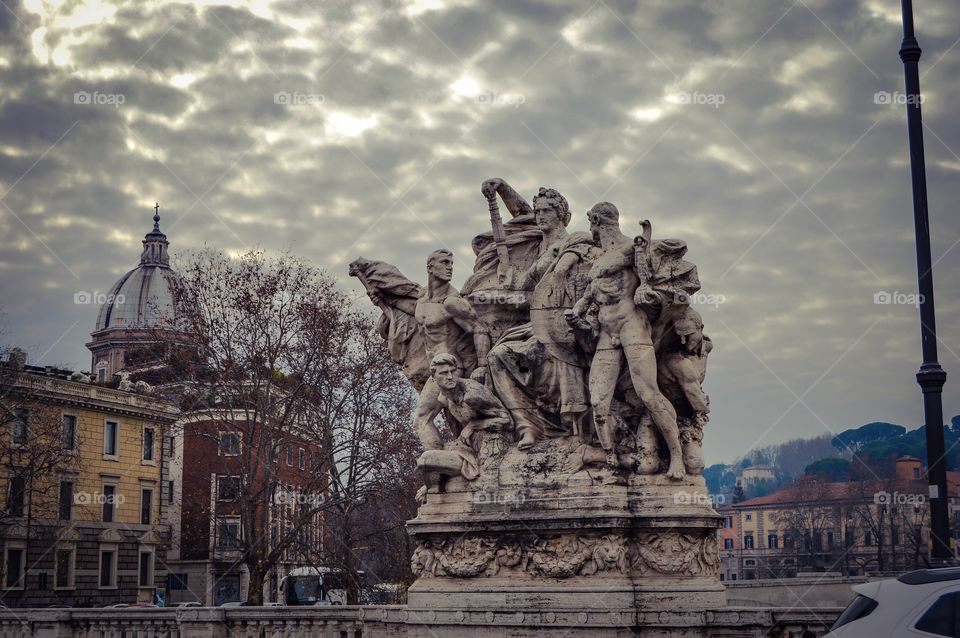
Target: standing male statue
<point>617,292</point>
<point>448,321</point>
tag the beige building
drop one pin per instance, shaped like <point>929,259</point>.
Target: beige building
<point>81,481</point>
<point>853,528</point>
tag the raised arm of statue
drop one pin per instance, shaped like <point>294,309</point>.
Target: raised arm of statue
<point>514,202</point>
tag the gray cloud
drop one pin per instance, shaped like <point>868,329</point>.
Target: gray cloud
<point>404,112</point>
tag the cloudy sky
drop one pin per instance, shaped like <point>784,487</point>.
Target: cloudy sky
<point>770,134</point>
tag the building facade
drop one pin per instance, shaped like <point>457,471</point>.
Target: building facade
<point>206,452</point>
<point>851,528</point>
<point>81,477</point>
<point>216,464</point>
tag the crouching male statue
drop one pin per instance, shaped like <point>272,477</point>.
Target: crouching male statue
<point>470,408</point>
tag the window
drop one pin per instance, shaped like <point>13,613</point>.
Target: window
<point>772,541</point>
<point>859,607</point>
<point>728,543</point>
<point>108,567</point>
<point>829,540</point>
<point>177,581</point>
<point>68,433</point>
<point>13,564</point>
<point>276,452</point>
<point>749,517</point>
<point>145,569</point>
<point>916,472</point>
<point>733,576</point>
<point>21,426</point>
<point>867,538</point>
<point>111,430</point>
<point>229,534</point>
<point>16,495</point>
<point>146,505</point>
<point>748,541</point>
<point>940,619</point>
<point>63,569</point>
<point>289,455</point>
<point>894,535</point>
<point>169,491</point>
<point>303,459</point>
<point>148,445</point>
<point>728,522</point>
<point>66,500</point>
<point>109,498</point>
<point>228,488</point>
<point>229,444</point>
<point>750,562</point>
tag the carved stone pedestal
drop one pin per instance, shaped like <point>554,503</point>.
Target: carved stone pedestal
<point>526,539</point>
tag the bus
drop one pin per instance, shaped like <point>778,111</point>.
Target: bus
<point>314,586</point>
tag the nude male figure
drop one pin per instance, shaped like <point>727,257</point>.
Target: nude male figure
<point>449,323</point>
<point>625,332</point>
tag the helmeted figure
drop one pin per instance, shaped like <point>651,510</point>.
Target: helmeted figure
<point>620,292</point>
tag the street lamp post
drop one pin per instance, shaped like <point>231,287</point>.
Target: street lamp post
<point>931,376</point>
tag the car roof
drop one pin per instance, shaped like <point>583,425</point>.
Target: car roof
<point>927,576</point>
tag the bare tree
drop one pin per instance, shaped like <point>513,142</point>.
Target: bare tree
<point>275,363</point>
<point>872,521</point>
<point>364,409</point>
<point>258,339</point>
<point>811,516</point>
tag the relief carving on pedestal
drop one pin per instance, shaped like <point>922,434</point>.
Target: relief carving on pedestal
<point>567,555</point>
<point>675,554</point>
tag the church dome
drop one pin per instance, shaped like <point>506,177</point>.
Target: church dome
<point>143,297</point>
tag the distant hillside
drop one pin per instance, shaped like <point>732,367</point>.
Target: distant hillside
<point>867,451</point>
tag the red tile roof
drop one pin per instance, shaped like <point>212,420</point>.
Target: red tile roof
<point>811,490</point>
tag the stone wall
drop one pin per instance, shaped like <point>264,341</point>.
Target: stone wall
<point>399,622</point>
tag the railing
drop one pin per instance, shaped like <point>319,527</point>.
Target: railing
<point>396,621</point>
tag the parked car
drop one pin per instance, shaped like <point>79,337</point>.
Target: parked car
<point>191,603</point>
<point>925,602</point>
<point>235,603</point>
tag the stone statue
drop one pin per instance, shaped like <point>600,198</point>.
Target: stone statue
<point>546,321</point>
<point>470,408</point>
<point>680,374</point>
<point>447,320</point>
<point>537,368</point>
<point>569,371</point>
<point>618,292</point>
<point>396,296</point>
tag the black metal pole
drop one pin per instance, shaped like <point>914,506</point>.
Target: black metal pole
<point>931,376</point>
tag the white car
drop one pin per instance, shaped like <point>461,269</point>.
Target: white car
<point>922,603</point>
